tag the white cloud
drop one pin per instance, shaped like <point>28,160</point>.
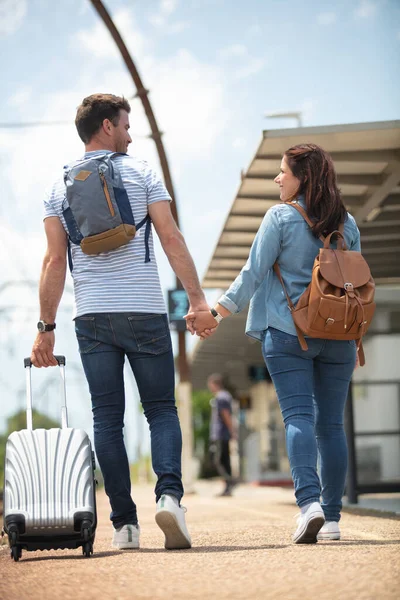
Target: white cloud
<point>254,65</point>
<point>233,51</point>
<point>246,64</point>
<point>161,19</point>
<point>326,18</point>
<point>167,7</point>
<point>12,15</point>
<point>365,9</point>
<point>177,27</point>
<point>189,99</point>
<point>100,44</point>
<point>20,97</point>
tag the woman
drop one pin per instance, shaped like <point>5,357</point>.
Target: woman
<point>311,385</point>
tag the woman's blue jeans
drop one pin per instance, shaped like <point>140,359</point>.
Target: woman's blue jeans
<point>104,341</point>
<point>312,388</point>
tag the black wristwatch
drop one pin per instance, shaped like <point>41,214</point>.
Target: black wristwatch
<point>43,326</point>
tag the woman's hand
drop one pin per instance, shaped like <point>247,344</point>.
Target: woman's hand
<point>201,322</point>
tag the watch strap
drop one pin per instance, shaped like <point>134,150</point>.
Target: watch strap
<point>44,327</point>
<point>216,315</point>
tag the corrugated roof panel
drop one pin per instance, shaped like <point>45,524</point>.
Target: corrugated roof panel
<point>367,160</point>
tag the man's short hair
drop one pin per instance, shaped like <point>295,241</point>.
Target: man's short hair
<point>216,378</point>
<point>94,109</point>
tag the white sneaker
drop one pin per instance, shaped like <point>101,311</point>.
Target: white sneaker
<point>329,531</point>
<point>126,537</point>
<point>170,517</point>
<point>309,524</point>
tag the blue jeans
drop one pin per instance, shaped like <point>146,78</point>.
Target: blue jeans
<point>104,341</point>
<point>312,388</point>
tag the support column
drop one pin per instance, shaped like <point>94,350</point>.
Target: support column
<point>184,403</point>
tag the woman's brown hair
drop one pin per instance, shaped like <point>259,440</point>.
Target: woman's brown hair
<point>316,173</point>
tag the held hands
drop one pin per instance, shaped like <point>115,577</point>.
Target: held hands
<point>201,322</point>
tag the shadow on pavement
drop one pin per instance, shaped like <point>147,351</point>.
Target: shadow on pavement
<point>360,543</point>
<point>69,556</point>
<point>207,549</point>
<point>196,550</point>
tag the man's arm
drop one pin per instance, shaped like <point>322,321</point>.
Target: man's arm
<point>175,248</point>
<point>51,287</point>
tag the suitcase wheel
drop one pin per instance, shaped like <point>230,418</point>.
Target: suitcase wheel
<point>87,549</point>
<point>16,553</point>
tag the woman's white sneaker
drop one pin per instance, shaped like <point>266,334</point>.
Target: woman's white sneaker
<point>308,524</point>
<point>170,517</point>
<point>126,537</point>
<point>329,531</point>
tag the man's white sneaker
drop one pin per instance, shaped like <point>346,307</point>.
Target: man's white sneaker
<point>170,517</point>
<point>126,537</point>
<point>329,531</point>
<point>309,524</point>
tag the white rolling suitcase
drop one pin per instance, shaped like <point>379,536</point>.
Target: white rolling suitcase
<point>49,485</point>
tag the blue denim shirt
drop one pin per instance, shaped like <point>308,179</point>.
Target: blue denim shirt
<point>284,236</point>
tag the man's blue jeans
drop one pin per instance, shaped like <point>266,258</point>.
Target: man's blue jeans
<point>312,388</point>
<point>104,341</point>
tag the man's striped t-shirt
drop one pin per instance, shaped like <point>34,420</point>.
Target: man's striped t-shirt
<point>120,280</point>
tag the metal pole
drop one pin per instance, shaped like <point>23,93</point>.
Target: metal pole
<point>351,485</point>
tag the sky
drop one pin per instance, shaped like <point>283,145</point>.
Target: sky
<point>214,69</point>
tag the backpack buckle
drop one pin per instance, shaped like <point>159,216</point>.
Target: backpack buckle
<point>348,287</point>
<point>329,321</point>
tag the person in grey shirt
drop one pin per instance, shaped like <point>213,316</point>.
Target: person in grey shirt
<point>221,430</point>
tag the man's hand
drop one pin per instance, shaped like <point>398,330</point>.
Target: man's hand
<point>201,322</point>
<point>193,309</point>
<point>42,351</point>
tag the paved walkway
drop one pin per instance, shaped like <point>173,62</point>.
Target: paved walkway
<point>242,550</point>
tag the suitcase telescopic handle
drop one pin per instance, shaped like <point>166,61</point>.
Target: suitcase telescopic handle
<point>59,358</point>
<point>28,371</point>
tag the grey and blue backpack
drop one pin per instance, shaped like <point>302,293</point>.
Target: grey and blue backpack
<point>96,207</point>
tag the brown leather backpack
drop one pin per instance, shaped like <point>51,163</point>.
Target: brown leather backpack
<point>339,303</point>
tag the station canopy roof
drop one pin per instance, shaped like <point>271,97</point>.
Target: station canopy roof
<point>367,161</point>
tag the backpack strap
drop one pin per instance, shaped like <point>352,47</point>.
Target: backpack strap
<point>291,306</point>
<point>361,354</point>
<point>147,221</point>
<point>69,254</point>
<point>305,216</point>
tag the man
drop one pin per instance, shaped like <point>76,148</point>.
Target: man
<point>120,312</point>
<point>221,430</point>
